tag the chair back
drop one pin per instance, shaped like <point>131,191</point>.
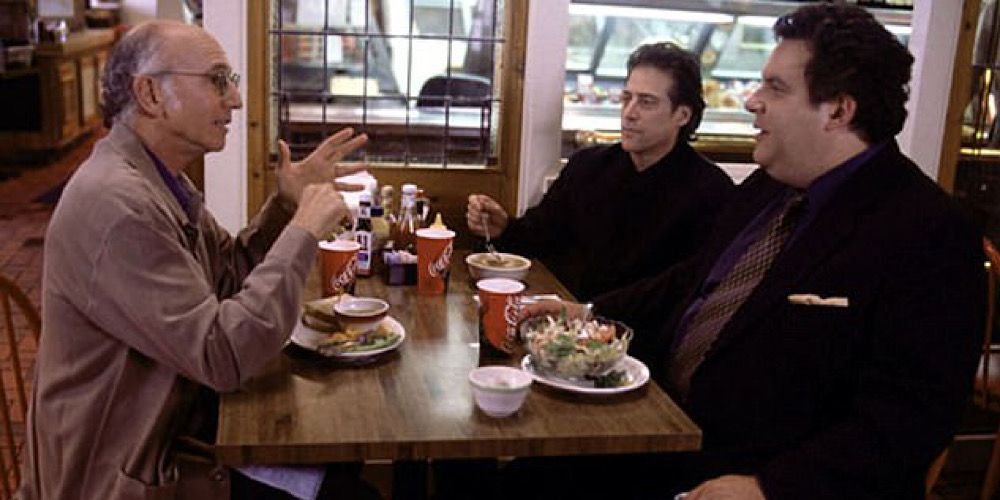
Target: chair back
<point>981,389</point>
<point>992,267</point>
<point>18,315</point>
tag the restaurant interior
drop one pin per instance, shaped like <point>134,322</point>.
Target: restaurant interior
<point>459,97</point>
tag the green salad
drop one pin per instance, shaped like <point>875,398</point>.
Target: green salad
<point>578,350</point>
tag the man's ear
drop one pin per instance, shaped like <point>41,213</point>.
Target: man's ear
<point>841,111</point>
<point>685,114</point>
<point>148,96</point>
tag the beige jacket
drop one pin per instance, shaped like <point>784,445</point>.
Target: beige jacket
<point>141,307</point>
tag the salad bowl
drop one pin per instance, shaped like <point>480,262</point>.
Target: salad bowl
<point>575,349</point>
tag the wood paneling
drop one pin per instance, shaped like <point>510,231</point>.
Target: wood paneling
<point>68,78</point>
<point>961,82</point>
<point>259,178</point>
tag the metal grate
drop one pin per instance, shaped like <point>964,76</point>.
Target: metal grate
<point>420,77</point>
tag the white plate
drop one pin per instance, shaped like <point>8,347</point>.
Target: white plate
<point>635,371</point>
<point>308,338</point>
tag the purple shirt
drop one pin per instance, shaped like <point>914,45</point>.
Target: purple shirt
<point>179,191</point>
<point>817,194</point>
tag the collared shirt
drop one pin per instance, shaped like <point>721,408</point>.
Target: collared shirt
<point>817,195</point>
<point>183,196</point>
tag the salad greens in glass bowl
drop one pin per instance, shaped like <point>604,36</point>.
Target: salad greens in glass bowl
<point>575,349</point>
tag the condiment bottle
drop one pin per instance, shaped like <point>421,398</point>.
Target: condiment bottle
<point>363,235</point>
<point>405,237</point>
<point>380,226</point>
<point>422,208</point>
<point>387,205</point>
<point>390,216</point>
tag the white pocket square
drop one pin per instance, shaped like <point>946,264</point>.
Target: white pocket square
<point>810,299</point>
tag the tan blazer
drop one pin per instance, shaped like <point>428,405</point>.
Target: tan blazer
<point>144,306</point>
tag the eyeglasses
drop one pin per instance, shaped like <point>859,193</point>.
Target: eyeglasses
<point>220,78</point>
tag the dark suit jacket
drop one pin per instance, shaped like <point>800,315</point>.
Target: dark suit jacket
<point>830,402</point>
<point>603,225</point>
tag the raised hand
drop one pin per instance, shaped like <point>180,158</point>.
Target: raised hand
<point>322,165</point>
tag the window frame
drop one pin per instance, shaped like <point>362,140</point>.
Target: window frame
<point>447,187</point>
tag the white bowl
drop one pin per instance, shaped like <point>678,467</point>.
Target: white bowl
<point>361,313</point>
<point>499,390</point>
<point>481,266</point>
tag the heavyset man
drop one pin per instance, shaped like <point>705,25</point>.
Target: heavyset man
<point>826,336</point>
<point>622,212</point>
<point>149,305</point>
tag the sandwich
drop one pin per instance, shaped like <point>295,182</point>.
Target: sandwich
<point>319,315</point>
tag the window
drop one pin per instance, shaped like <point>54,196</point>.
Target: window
<point>731,38</point>
<point>421,77</point>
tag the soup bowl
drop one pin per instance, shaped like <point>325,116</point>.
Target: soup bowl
<point>485,265</point>
<point>361,313</point>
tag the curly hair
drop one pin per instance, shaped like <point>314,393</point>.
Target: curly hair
<point>853,54</point>
<point>682,66</point>
<point>133,54</point>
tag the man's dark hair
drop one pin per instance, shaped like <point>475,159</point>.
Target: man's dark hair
<point>682,66</point>
<point>853,54</point>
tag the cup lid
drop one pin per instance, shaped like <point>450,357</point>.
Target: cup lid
<point>340,245</point>
<point>500,285</point>
<point>435,233</point>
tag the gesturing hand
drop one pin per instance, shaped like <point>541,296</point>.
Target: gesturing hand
<point>322,165</point>
<point>321,209</point>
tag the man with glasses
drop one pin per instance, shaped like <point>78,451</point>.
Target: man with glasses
<point>149,306</point>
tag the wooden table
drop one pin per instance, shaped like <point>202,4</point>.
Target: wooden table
<point>416,403</point>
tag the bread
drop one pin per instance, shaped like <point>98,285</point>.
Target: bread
<point>318,314</point>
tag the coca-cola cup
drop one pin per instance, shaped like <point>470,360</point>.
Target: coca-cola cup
<point>499,304</point>
<point>338,264</point>
<point>434,247</point>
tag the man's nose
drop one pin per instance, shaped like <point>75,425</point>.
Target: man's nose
<point>233,99</point>
<point>629,110</point>
<point>753,104</point>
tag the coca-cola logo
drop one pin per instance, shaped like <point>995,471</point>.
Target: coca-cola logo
<point>511,313</point>
<point>440,265</point>
<point>343,280</point>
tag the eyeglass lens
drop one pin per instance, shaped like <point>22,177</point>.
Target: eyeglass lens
<point>222,79</point>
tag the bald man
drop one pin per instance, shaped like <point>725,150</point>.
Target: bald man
<point>149,306</point>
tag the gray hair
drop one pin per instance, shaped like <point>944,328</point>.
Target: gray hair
<point>135,53</point>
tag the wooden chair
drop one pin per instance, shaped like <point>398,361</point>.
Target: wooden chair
<point>14,304</point>
<point>983,392</point>
<point>982,396</point>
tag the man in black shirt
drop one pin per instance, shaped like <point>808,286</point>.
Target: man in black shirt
<point>626,211</point>
<point>825,336</point>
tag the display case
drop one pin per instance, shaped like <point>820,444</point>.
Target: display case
<point>732,40</point>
